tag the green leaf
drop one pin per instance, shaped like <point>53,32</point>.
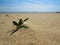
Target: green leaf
<point>26,19</point>
<point>25,27</point>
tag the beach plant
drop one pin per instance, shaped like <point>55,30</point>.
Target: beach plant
<point>19,25</point>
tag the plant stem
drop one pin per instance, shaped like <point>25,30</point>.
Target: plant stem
<point>16,30</point>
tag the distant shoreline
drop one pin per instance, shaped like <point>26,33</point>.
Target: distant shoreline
<point>25,12</point>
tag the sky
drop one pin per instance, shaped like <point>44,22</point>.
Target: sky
<point>29,5</point>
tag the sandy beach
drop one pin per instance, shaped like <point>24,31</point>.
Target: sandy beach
<point>44,29</point>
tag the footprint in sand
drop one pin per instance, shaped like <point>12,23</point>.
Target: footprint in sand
<point>7,15</point>
<point>2,22</point>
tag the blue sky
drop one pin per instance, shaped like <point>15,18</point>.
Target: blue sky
<point>29,5</point>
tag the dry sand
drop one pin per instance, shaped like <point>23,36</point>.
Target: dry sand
<point>44,29</point>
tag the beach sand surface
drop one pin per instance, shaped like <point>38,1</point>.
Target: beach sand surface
<point>44,29</point>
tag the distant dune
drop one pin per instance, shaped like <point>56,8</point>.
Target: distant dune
<point>44,29</point>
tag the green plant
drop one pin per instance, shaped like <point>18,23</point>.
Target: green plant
<point>20,25</point>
